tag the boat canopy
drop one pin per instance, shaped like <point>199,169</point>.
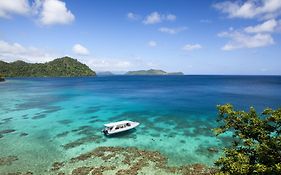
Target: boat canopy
<point>117,123</point>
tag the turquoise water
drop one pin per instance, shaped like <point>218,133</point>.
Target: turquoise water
<point>44,120</point>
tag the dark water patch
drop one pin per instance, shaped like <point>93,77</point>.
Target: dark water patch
<point>7,160</point>
<point>94,117</point>
<point>86,131</point>
<point>63,134</point>
<point>7,131</point>
<point>65,122</point>
<point>208,151</point>
<point>95,121</point>
<point>39,116</point>
<point>199,130</point>
<point>51,109</point>
<point>131,115</point>
<point>155,135</point>
<point>182,141</point>
<point>40,102</point>
<point>47,110</point>
<point>92,109</point>
<point>24,116</point>
<point>81,141</point>
<point>23,134</point>
<point>1,136</point>
<point>5,120</point>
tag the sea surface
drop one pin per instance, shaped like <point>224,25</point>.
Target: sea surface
<point>47,120</point>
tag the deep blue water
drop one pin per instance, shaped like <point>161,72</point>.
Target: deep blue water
<point>173,110</point>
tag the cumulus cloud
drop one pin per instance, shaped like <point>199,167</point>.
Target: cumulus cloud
<point>190,47</point>
<point>80,50</point>
<point>171,17</point>
<point>15,51</point>
<point>152,43</point>
<point>133,16</point>
<point>240,39</point>
<point>264,9</point>
<point>48,12</point>
<point>155,17</point>
<point>172,30</point>
<point>55,12</point>
<point>267,26</point>
<point>118,64</point>
<point>10,7</point>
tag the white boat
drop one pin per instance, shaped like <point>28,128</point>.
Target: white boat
<point>117,127</point>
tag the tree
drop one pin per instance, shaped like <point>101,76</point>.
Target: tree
<point>256,146</point>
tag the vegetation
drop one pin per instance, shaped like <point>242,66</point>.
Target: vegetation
<point>152,72</point>
<point>2,78</point>
<point>256,147</point>
<point>61,67</point>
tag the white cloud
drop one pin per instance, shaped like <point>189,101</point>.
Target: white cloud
<point>153,18</point>
<point>133,16</point>
<point>267,26</point>
<point>15,51</point>
<point>152,43</point>
<point>250,9</point>
<point>118,64</point>
<point>243,40</point>
<point>172,30</point>
<point>55,12</point>
<point>80,50</point>
<point>171,17</point>
<point>156,17</point>
<point>9,7</point>
<point>190,47</point>
<point>49,12</point>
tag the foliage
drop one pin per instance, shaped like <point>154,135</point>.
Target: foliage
<point>2,78</point>
<point>61,67</point>
<point>256,147</point>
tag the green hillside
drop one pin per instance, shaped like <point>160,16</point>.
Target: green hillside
<point>60,67</point>
<point>152,72</point>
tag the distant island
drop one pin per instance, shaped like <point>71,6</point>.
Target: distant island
<point>104,73</point>
<point>152,72</point>
<point>60,67</point>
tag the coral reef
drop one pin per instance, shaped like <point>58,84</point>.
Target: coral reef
<point>125,160</point>
<point>7,160</point>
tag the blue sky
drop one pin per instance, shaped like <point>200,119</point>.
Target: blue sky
<point>195,37</point>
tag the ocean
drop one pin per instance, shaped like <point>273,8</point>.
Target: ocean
<point>48,120</point>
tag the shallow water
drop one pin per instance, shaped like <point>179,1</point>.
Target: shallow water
<point>45,120</point>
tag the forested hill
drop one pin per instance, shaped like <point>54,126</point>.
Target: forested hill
<point>152,72</point>
<point>60,67</point>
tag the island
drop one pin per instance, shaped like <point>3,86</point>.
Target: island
<point>152,72</point>
<point>60,67</point>
<point>104,73</point>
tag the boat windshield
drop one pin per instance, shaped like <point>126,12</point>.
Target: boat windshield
<point>109,128</point>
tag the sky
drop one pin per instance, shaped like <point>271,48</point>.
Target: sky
<point>191,36</point>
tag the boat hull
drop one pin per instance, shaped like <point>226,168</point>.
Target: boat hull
<point>127,128</point>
